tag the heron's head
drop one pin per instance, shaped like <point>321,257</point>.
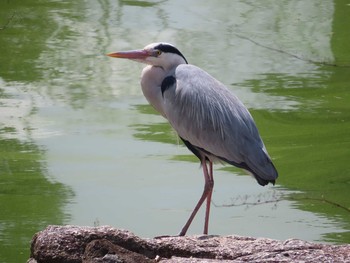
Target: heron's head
<point>156,54</point>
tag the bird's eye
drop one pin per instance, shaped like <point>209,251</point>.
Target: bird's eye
<point>158,52</point>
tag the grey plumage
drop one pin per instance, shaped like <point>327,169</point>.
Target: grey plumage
<point>209,116</point>
<point>212,122</point>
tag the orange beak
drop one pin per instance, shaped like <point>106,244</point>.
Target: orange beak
<point>132,54</point>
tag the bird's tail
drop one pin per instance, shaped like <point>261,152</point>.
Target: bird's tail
<point>263,180</point>
<point>259,164</point>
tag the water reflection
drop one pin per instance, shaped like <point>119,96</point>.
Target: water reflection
<point>28,200</point>
<point>156,132</point>
<point>71,115</point>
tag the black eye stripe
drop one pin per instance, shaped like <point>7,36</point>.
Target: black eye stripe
<point>170,49</point>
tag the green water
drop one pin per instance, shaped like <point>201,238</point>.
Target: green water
<point>80,145</point>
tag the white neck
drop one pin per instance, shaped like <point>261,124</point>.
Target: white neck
<point>151,81</point>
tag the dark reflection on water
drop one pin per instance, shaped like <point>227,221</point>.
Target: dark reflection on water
<point>307,131</point>
<point>70,114</point>
<point>29,201</point>
<point>156,132</point>
<point>311,145</point>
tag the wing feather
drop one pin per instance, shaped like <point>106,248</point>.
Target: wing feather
<point>209,116</point>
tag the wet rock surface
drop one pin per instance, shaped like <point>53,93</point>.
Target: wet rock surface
<point>73,244</point>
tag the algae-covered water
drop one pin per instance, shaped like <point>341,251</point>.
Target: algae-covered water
<point>80,145</point>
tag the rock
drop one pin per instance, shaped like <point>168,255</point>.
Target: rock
<point>73,244</point>
<point>104,251</point>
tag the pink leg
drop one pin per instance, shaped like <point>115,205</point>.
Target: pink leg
<point>207,211</point>
<point>208,188</point>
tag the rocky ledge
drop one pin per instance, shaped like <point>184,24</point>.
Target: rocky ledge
<point>73,244</point>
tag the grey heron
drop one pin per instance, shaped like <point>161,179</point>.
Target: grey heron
<point>211,121</point>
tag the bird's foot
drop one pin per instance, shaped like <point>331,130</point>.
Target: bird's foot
<point>166,236</point>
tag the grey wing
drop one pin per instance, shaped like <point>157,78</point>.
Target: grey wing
<point>211,118</point>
